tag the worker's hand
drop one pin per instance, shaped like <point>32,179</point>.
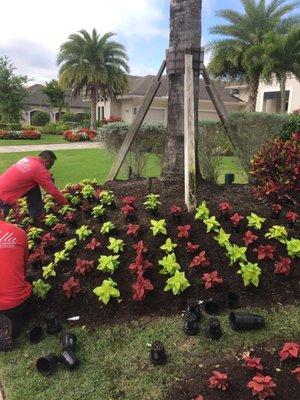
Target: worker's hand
<point>52,177</point>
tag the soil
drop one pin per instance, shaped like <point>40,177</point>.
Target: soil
<point>273,289</point>
<point>194,383</point>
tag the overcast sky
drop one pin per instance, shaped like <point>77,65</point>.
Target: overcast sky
<point>31,31</point>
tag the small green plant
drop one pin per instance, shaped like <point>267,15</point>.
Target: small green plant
<point>250,273</point>
<point>60,256</point>
<point>169,264</point>
<point>83,232</point>
<point>31,244</point>
<point>107,227</point>
<point>152,201</point>
<point>49,271</point>
<point>211,224</point>
<point>158,227</point>
<point>107,197</point>
<point>107,290</point>
<point>87,191</point>
<point>255,221</point>
<point>49,205</point>
<point>202,212</point>
<point>88,181</point>
<point>236,253</point>
<point>115,245</point>
<point>65,209</point>
<point>277,232</point>
<point>34,233</point>
<point>108,263</point>
<point>40,288</point>
<point>98,211</point>
<point>177,283</point>
<point>75,201</point>
<point>293,247</point>
<point>222,238</point>
<point>70,244</point>
<point>26,221</point>
<point>51,220</point>
<point>169,246</point>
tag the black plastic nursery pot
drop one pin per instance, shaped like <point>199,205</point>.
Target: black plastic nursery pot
<point>213,330</point>
<point>233,299</point>
<point>229,179</point>
<point>68,341</point>
<point>190,325</point>
<point>69,359</point>
<point>46,365</point>
<point>158,354</point>
<point>53,324</point>
<point>246,322</point>
<point>211,307</point>
<point>193,308</point>
<point>35,334</point>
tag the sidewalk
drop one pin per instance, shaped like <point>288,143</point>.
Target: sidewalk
<point>41,147</point>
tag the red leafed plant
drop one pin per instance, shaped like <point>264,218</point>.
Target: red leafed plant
<point>130,200</point>
<point>297,373</point>
<point>140,265</point>
<point>47,239</point>
<point>176,210</point>
<point>265,252</point>
<point>276,207</point>
<point>140,288</point>
<point>37,256</point>
<point>236,219</point>
<point>93,244</point>
<point>184,231</point>
<point>262,386</point>
<point>199,397</point>
<point>83,266</point>
<point>200,260</point>
<point>133,230</point>
<point>191,248</point>
<point>253,363</point>
<point>69,217</point>
<point>71,287</point>
<point>60,229</point>
<point>97,193</point>
<point>140,247</point>
<point>249,238</point>
<point>283,266</point>
<point>128,210</point>
<point>85,206</point>
<point>224,208</point>
<point>211,279</point>
<point>218,380</point>
<point>292,216</point>
<point>289,349</point>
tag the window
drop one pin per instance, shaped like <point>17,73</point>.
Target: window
<point>102,112</point>
<point>98,114</point>
<point>135,110</point>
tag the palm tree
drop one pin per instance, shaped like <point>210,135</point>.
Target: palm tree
<point>56,95</point>
<point>282,57</point>
<point>239,53</point>
<point>95,65</point>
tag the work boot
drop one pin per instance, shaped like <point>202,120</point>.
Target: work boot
<point>6,329</point>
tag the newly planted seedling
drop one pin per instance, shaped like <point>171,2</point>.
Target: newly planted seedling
<point>107,290</point>
<point>98,211</point>
<point>107,198</point>
<point>169,246</point>
<point>250,273</point>
<point>115,245</point>
<point>34,233</point>
<point>40,288</point>
<point>202,212</point>
<point>152,202</point>
<point>83,232</point>
<point>51,220</point>
<point>177,283</point>
<point>212,224</point>
<point>140,288</point>
<point>60,256</point>
<point>108,263</point>
<point>255,220</point>
<point>211,279</point>
<point>49,271</point>
<point>158,227</point>
<point>107,227</point>
<point>65,210</point>
<point>236,253</point>
<point>277,232</point>
<point>71,287</point>
<point>293,247</point>
<point>70,244</point>
<point>169,264</point>
<point>222,238</point>
<point>200,260</point>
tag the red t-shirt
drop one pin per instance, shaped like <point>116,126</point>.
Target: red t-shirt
<point>14,289</point>
<point>25,175</point>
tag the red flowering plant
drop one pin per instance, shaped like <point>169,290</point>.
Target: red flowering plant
<point>140,288</point>
<point>191,248</point>
<point>71,287</point>
<point>200,260</point>
<point>140,247</point>
<point>79,134</point>
<point>140,265</point>
<point>59,229</point>
<point>176,212</point>
<point>93,244</point>
<point>292,218</point>
<point>265,252</point>
<point>47,240</point>
<point>262,386</point>
<point>297,373</point>
<point>129,212</point>
<point>133,230</point>
<point>289,350</point>
<point>218,380</point>
<point>211,279</point>
<point>83,266</point>
<point>224,209</point>
<point>252,363</point>
<point>184,231</point>
<point>283,266</point>
<point>130,200</point>
<point>236,219</point>
<point>249,238</point>
<point>37,256</point>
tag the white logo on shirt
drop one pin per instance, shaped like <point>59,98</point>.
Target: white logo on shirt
<point>23,165</point>
<point>7,240</point>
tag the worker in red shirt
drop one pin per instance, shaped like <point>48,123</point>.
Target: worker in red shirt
<point>15,291</point>
<point>24,179</point>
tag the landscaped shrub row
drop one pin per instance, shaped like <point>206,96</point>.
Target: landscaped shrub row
<point>10,126</point>
<point>24,134</point>
<point>79,135</point>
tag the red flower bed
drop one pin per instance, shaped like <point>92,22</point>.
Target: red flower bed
<point>23,134</point>
<point>79,135</point>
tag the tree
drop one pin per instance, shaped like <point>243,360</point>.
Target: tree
<point>56,95</point>
<point>282,56</point>
<point>94,64</point>
<point>12,92</point>
<point>239,53</point>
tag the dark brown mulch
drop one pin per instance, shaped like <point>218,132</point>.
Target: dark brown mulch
<point>195,383</point>
<point>273,290</point>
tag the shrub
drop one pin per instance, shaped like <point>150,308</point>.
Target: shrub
<point>40,118</point>
<point>24,134</point>
<point>79,135</point>
<point>292,125</point>
<point>10,126</point>
<point>54,128</point>
<point>72,117</point>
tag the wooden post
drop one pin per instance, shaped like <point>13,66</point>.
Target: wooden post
<point>189,135</point>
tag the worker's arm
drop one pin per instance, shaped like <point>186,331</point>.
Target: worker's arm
<point>44,179</point>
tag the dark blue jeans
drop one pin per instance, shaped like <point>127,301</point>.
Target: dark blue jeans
<point>18,316</point>
<point>34,203</point>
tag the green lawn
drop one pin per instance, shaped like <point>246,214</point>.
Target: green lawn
<point>45,139</point>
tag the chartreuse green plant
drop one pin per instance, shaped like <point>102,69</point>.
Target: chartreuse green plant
<point>98,211</point>
<point>212,224</point>
<point>108,263</point>
<point>70,244</point>
<point>202,212</point>
<point>293,247</point>
<point>51,219</point>
<point>152,201</point>
<point>158,227</point>
<point>60,256</point>
<point>107,290</point>
<point>222,238</point>
<point>107,227</point>
<point>34,233</point>
<point>49,205</point>
<point>65,209</point>
<point>75,200</point>
<point>177,283</point>
<point>277,232</point>
<point>83,232</point>
<point>31,244</point>
<point>250,273</point>
<point>26,221</point>
<point>40,288</point>
<point>169,246</point>
<point>115,245</point>
<point>88,181</point>
<point>255,221</point>
<point>49,270</point>
<point>236,253</point>
<point>87,191</point>
<point>107,197</point>
<point>169,264</point>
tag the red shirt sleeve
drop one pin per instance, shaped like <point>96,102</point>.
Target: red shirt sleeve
<point>43,178</point>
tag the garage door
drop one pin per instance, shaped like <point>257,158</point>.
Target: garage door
<point>155,115</point>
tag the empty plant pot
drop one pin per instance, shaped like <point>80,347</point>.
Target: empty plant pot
<point>211,307</point>
<point>158,354</point>
<point>193,308</point>
<point>233,299</point>
<point>213,330</point>
<point>46,365</point>
<point>69,359</point>
<point>246,322</point>
<point>190,325</point>
<point>53,324</point>
<point>229,179</point>
<point>68,341</point>
<point>35,334</point>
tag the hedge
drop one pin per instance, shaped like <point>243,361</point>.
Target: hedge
<point>24,134</point>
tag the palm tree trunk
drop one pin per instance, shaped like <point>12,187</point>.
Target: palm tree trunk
<point>253,84</point>
<point>282,94</point>
<point>93,98</point>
